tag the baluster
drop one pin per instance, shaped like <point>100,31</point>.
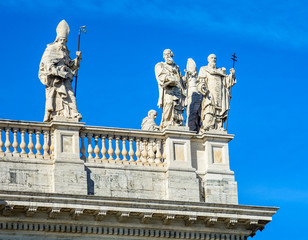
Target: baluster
<point>38,145</point>
<point>158,152</point>
<point>151,152</point>
<point>117,150</point>
<point>131,152</point>
<point>7,142</point>
<point>1,143</point>
<point>145,151</point>
<point>83,148</point>
<point>124,150</point>
<point>15,143</point>
<point>23,144</point>
<point>138,152</point>
<point>90,149</point>
<point>46,144</point>
<point>52,146</point>
<point>104,150</point>
<point>31,145</point>
<point>110,150</point>
<point>164,151</point>
<point>96,149</point>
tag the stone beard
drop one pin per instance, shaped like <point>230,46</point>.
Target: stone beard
<point>171,97</point>
<point>56,73</point>
<point>215,84</point>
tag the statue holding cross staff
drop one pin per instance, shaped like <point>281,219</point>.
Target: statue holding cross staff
<point>215,85</point>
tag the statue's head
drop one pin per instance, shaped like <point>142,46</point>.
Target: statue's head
<point>62,32</point>
<point>152,114</point>
<point>212,59</point>
<point>168,55</point>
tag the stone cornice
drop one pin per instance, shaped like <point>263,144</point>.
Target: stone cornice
<point>190,213</point>
<point>146,219</point>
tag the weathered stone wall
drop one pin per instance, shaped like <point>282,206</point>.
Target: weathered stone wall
<point>58,157</point>
<point>25,175</point>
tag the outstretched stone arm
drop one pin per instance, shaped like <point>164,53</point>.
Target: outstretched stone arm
<point>231,80</point>
<point>75,64</point>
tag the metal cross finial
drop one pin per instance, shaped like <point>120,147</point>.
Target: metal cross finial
<point>234,59</point>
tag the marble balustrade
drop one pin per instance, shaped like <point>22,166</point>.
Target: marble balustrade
<point>123,146</point>
<point>25,140</point>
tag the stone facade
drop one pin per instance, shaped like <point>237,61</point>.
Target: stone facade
<point>187,166</point>
<point>63,180</point>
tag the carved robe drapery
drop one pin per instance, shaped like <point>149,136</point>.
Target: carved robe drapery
<point>56,73</point>
<point>215,85</point>
<point>171,97</point>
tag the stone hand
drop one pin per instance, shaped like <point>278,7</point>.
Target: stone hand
<point>232,71</point>
<point>69,75</point>
<point>78,54</point>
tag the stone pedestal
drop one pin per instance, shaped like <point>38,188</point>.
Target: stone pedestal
<point>69,174</point>
<point>181,178</point>
<point>214,169</point>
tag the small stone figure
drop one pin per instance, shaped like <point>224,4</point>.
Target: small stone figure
<point>56,73</point>
<point>148,123</point>
<point>193,98</point>
<point>171,91</point>
<point>215,85</point>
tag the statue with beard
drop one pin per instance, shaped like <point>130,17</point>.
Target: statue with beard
<point>215,85</point>
<point>171,91</point>
<point>56,73</point>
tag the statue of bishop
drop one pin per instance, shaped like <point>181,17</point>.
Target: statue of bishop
<point>56,73</point>
<point>215,85</point>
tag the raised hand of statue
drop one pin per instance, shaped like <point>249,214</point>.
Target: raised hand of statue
<point>232,71</point>
<point>78,54</point>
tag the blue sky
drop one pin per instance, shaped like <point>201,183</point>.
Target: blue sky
<point>117,85</point>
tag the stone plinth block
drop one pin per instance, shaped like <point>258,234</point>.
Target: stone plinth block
<point>69,174</point>
<point>210,156</point>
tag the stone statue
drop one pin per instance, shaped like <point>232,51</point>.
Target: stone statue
<point>148,123</point>
<point>56,73</point>
<point>215,85</point>
<point>171,91</point>
<point>193,98</point>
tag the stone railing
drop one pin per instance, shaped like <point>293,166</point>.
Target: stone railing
<point>23,139</point>
<point>122,146</point>
<point>62,157</point>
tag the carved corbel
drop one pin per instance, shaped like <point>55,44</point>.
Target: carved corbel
<point>54,212</point>
<point>122,216</point>
<point>251,224</point>
<point>30,211</point>
<point>231,223</point>
<point>146,217</point>
<point>209,222</point>
<point>167,219</point>
<point>189,220</point>
<point>76,213</point>
<point>7,210</point>
<point>100,215</point>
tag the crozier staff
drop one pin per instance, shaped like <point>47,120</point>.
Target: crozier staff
<point>84,30</point>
